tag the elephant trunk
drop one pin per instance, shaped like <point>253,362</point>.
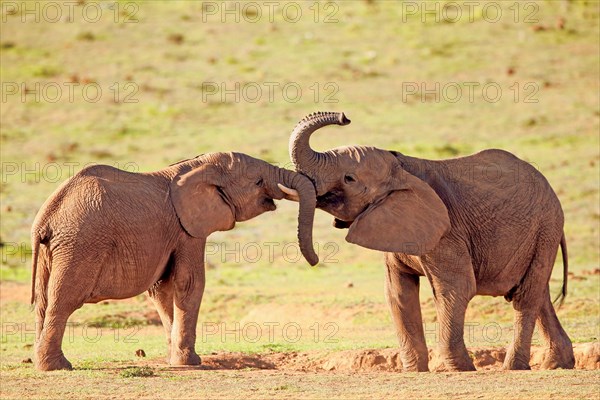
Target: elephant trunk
<point>306,160</point>
<point>306,213</point>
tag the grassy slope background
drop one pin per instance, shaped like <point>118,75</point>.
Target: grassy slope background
<point>364,62</point>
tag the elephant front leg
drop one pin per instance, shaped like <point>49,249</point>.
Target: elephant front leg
<point>162,296</point>
<point>402,294</point>
<point>453,288</point>
<point>451,308</point>
<point>450,272</point>
<point>188,289</point>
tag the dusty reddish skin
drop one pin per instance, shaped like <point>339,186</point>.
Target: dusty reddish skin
<point>111,234</point>
<point>486,224</point>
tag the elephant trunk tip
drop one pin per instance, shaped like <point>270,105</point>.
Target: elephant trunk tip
<point>312,258</point>
<point>343,120</point>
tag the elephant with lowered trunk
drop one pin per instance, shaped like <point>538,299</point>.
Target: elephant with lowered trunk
<point>486,224</point>
<point>111,234</point>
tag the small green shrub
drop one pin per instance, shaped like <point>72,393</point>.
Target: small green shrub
<point>137,372</point>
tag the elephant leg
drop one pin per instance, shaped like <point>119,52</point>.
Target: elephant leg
<point>49,354</point>
<point>402,294</point>
<point>63,300</point>
<point>451,306</point>
<point>188,281</point>
<point>450,272</point>
<point>519,351</point>
<point>527,302</point>
<point>559,352</point>
<point>162,297</point>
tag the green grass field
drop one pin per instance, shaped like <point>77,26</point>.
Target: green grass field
<point>151,83</point>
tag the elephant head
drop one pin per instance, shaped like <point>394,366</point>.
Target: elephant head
<point>222,188</point>
<point>368,191</point>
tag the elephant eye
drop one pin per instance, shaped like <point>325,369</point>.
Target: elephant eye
<point>349,179</point>
<point>259,182</point>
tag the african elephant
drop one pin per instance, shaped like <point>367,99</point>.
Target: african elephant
<point>486,224</point>
<point>112,234</point>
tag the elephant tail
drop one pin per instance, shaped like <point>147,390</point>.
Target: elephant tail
<point>563,293</point>
<point>40,275</point>
<point>35,241</point>
<point>40,267</point>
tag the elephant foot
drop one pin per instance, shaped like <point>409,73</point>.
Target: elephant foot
<point>446,361</point>
<point>554,360</point>
<point>453,366</point>
<point>415,368</point>
<point>185,358</point>
<point>464,367</point>
<point>412,365</point>
<point>513,363</point>
<point>53,363</point>
<point>516,360</point>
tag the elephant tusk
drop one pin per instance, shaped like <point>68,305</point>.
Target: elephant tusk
<point>292,194</point>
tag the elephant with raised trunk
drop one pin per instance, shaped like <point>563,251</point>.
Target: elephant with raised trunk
<point>486,224</point>
<point>111,234</point>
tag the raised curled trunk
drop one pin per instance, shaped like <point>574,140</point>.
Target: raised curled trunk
<point>306,160</point>
<point>306,213</point>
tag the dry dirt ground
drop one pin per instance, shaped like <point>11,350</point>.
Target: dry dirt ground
<point>349,374</point>
<point>587,356</point>
<point>360,374</point>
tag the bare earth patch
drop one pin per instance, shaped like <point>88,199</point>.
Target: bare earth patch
<point>587,356</point>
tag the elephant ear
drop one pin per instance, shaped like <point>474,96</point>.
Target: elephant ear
<point>411,219</point>
<point>199,202</point>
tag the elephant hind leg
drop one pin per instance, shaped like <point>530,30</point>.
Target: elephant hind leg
<point>527,303</point>
<point>49,354</point>
<point>519,351</point>
<point>161,295</point>
<point>62,301</point>
<point>559,351</point>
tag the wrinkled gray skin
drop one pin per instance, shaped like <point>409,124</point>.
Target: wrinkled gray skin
<point>486,224</point>
<point>111,234</point>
